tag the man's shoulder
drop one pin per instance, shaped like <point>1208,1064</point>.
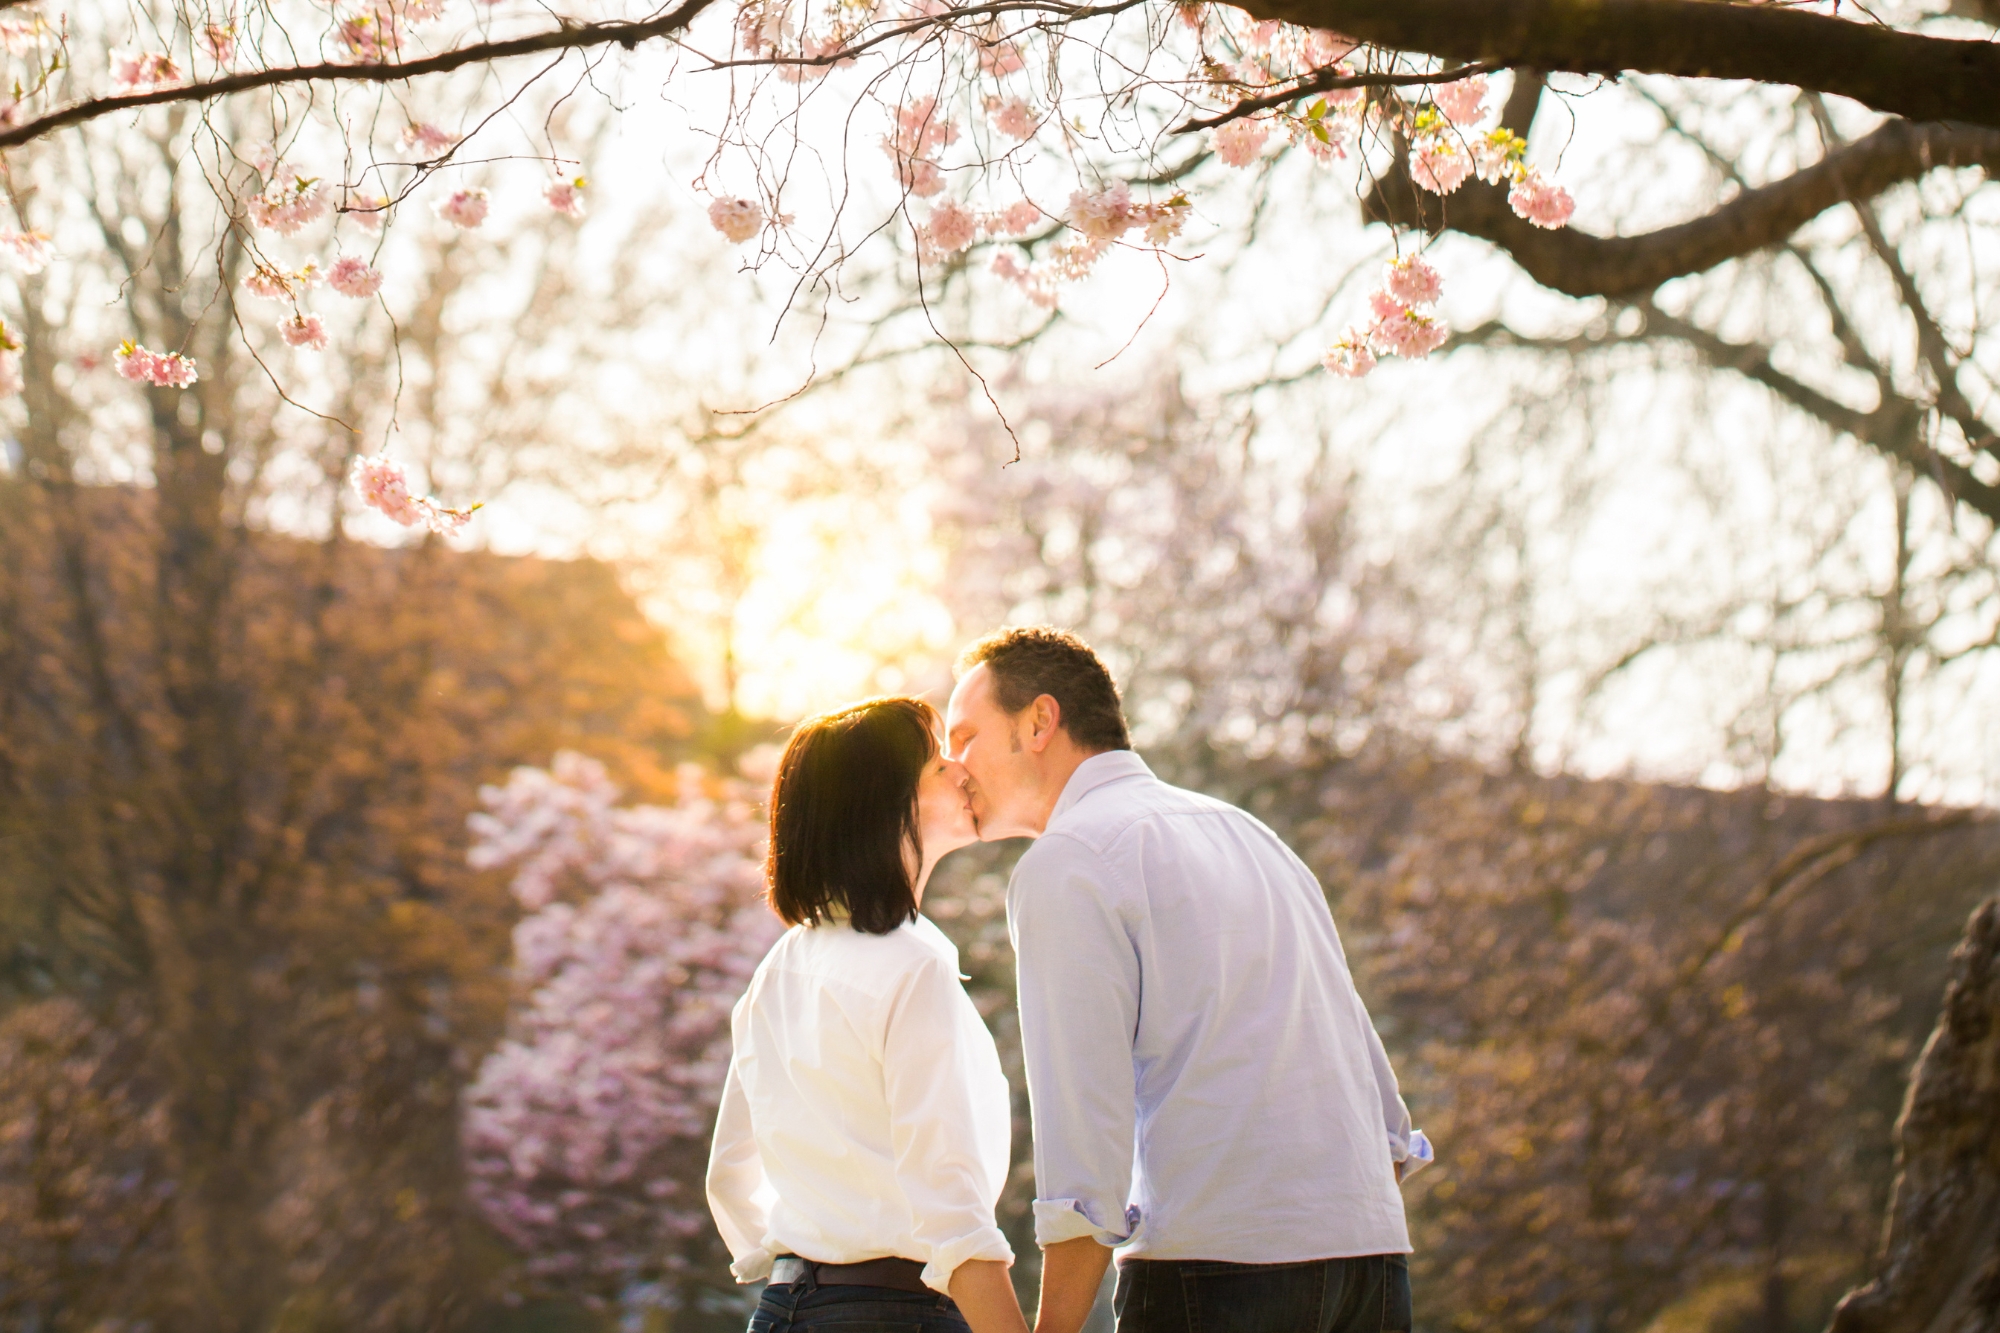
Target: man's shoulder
<point>1108,826</point>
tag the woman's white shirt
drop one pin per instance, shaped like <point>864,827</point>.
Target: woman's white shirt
<point>865,1114</point>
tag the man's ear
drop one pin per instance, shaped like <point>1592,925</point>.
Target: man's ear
<point>1044,716</point>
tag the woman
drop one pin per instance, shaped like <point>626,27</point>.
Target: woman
<point>863,1134</point>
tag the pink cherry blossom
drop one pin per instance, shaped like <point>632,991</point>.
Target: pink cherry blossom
<point>219,40</point>
<point>275,284</point>
<point>921,130</point>
<point>565,196</point>
<point>1542,203</point>
<point>367,212</point>
<point>136,71</point>
<point>428,139</point>
<point>585,1131</point>
<point>1411,281</point>
<point>289,203</point>
<point>1017,219</point>
<point>1407,333</point>
<point>952,227</point>
<point>353,276</point>
<point>1463,102</point>
<point>30,251</point>
<point>19,36</point>
<point>1011,116</point>
<point>1438,166</point>
<point>11,381</point>
<point>168,370</point>
<point>1325,48</point>
<point>921,177</point>
<point>738,219</point>
<point>464,208</point>
<point>1351,357</point>
<point>303,330</point>
<point>382,484</point>
<point>1495,154</point>
<point>1240,141</point>
<point>1164,221</point>
<point>372,37</point>
<point>1103,216</point>
<point>999,59</point>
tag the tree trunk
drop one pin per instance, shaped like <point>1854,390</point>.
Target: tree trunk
<point>1940,1268</point>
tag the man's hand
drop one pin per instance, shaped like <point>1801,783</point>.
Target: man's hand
<point>1071,1273</point>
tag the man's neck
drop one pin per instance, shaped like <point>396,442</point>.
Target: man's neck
<point>1062,768</point>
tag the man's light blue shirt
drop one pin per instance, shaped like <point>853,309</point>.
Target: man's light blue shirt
<point>1205,1082</point>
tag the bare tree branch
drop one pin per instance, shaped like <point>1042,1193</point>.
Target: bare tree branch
<point>568,37</point>
<point>1326,81</point>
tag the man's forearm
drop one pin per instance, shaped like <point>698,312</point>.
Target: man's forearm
<point>1071,1273</point>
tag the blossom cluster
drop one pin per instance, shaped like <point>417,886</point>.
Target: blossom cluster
<point>921,134</point>
<point>1401,323</point>
<point>1444,154</point>
<point>738,219</point>
<point>30,251</point>
<point>137,71</point>
<point>289,202</point>
<point>166,370</point>
<point>382,483</point>
<point>586,1131</point>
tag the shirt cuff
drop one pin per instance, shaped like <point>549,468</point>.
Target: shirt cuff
<point>1058,1220</point>
<point>985,1243</point>
<point>754,1266</point>
<point>1420,1154</point>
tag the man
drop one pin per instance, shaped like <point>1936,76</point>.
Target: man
<point>1208,1094</point>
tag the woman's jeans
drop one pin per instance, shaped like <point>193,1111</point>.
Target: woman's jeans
<point>802,1307</point>
<point>1365,1295</point>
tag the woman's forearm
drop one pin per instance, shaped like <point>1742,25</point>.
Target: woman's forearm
<point>985,1296</point>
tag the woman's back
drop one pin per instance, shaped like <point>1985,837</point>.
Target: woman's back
<point>866,1104</point>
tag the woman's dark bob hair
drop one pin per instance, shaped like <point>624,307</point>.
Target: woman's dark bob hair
<point>843,807</point>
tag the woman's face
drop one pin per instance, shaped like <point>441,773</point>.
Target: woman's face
<point>944,817</point>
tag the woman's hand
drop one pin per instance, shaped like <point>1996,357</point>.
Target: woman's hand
<point>985,1296</point>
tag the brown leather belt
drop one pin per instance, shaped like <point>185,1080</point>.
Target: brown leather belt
<point>896,1274</point>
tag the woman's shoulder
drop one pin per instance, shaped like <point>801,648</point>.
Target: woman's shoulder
<point>837,951</point>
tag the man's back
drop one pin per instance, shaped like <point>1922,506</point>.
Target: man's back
<point>1184,994</point>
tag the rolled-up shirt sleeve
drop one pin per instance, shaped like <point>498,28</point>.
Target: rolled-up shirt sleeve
<point>938,1104</point>
<point>1079,981</point>
<point>1406,1145</point>
<point>737,1188</point>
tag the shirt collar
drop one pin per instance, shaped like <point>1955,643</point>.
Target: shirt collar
<point>1097,771</point>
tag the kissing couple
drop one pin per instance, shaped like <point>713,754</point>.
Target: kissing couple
<point>1209,1098</point>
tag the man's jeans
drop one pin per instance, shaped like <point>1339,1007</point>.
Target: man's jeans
<point>1365,1295</point>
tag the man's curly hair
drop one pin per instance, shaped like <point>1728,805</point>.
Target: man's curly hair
<point>1038,659</point>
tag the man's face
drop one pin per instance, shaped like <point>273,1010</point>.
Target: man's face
<point>1001,776</point>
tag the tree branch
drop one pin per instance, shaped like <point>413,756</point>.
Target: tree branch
<point>1579,264</point>
<point>1326,80</point>
<point>568,37</point>
<point>1901,73</point>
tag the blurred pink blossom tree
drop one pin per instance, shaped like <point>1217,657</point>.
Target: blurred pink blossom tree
<point>586,1130</point>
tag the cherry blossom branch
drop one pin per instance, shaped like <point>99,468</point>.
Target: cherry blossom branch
<point>1326,81</point>
<point>1579,264</point>
<point>1068,14</point>
<point>1901,73</point>
<point>568,37</point>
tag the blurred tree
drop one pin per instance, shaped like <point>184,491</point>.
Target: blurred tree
<point>234,767</point>
<point>587,1129</point>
